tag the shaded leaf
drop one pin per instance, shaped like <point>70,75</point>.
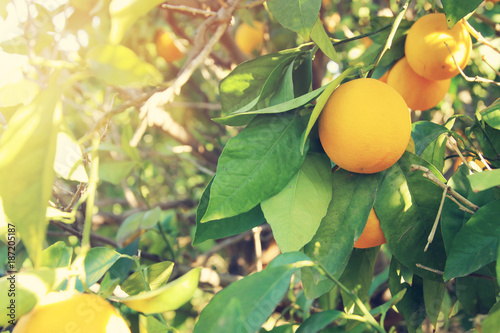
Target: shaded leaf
<point>296,212</point>
<point>424,133</point>
<point>224,227</point>
<point>115,172</point>
<point>352,199</point>
<point>150,324</point>
<point>434,153</point>
<point>321,38</point>
<point>477,296</point>
<point>57,255</point>
<point>318,321</point>
<point>255,165</point>
<point>406,206</point>
<point>296,15</point>
<point>434,292</point>
<point>27,153</point>
<point>97,262</point>
<point>476,244</point>
<point>119,66</point>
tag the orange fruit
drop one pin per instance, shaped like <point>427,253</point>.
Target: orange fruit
<point>72,312</point>
<point>418,92</point>
<point>372,233</point>
<point>166,47</point>
<point>426,51</point>
<point>384,77</point>
<point>365,126</point>
<point>459,162</point>
<point>248,37</point>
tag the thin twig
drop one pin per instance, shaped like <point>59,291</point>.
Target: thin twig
<point>460,206</point>
<point>258,247</point>
<point>183,8</point>
<point>477,35</point>
<point>75,197</point>
<point>453,143</point>
<point>467,78</point>
<point>429,175</point>
<point>437,271</point>
<point>436,221</point>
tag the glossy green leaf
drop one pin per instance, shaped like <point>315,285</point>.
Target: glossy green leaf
<point>27,153</point>
<point>489,141</point>
<point>169,297</point>
<point>68,162</point>
<point>492,322</point>
<point>258,294</point>
<point>481,181</point>
<point>231,319</point>
<point>357,276</point>
<point>424,133</point>
<point>321,38</point>
<point>434,292</point>
<point>407,205</point>
<point>296,15</point>
<point>225,227</point>
<point>108,285</point>
<point>434,153</point>
<point>352,199</point>
<point>57,255</point>
<point>156,275</point>
<point>115,172</point>
<point>476,244</point>
<point>320,104</point>
<point>296,212</point>
<point>455,10</point>
<point>136,224</point>
<point>97,262</point>
<point>119,66</point>
<point>150,324</point>
<point>124,13</point>
<point>318,321</point>
<point>255,165</point>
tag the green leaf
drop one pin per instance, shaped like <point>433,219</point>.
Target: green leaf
<point>489,141</point>
<point>481,181</point>
<point>258,294</point>
<point>156,275</point>
<point>318,321</point>
<point>57,255</point>
<point>27,153</point>
<point>407,205</point>
<point>225,227</point>
<point>255,165</point>
<point>424,133</point>
<point>121,67</point>
<point>97,262</point>
<point>108,285</point>
<point>136,224</point>
<point>477,296</point>
<point>296,15</point>
<point>115,172</point>
<point>169,297</point>
<point>296,212</point>
<point>434,292</point>
<point>352,199</point>
<point>20,92</point>
<point>320,104</point>
<point>231,319</point>
<point>455,10</point>
<point>150,324</point>
<point>124,13</point>
<point>491,115</point>
<point>241,89</point>
<point>412,305</point>
<point>435,151</point>
<point>476,244</point>
<point>321,38</point>
<point>452,217</point>
<point>68,162</point>
<point>492,322</point>
<point>358,276</point>
<point>302,76</point>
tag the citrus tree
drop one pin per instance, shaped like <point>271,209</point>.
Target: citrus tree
<point>249,166</point>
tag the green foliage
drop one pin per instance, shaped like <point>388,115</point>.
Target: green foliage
<point>120,174</point>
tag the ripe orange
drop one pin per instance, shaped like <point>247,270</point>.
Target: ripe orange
<point>459,162</point>
<point>372,233</point>
<point>166,48</point>
<point>426,51</point>
<point>72,312</point>
<point>418,92</point>
<point>384,77</point>
<point>249,38</point>
<point>365,126</point>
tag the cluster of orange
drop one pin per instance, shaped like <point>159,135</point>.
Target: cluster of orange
<point>432,54</point>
